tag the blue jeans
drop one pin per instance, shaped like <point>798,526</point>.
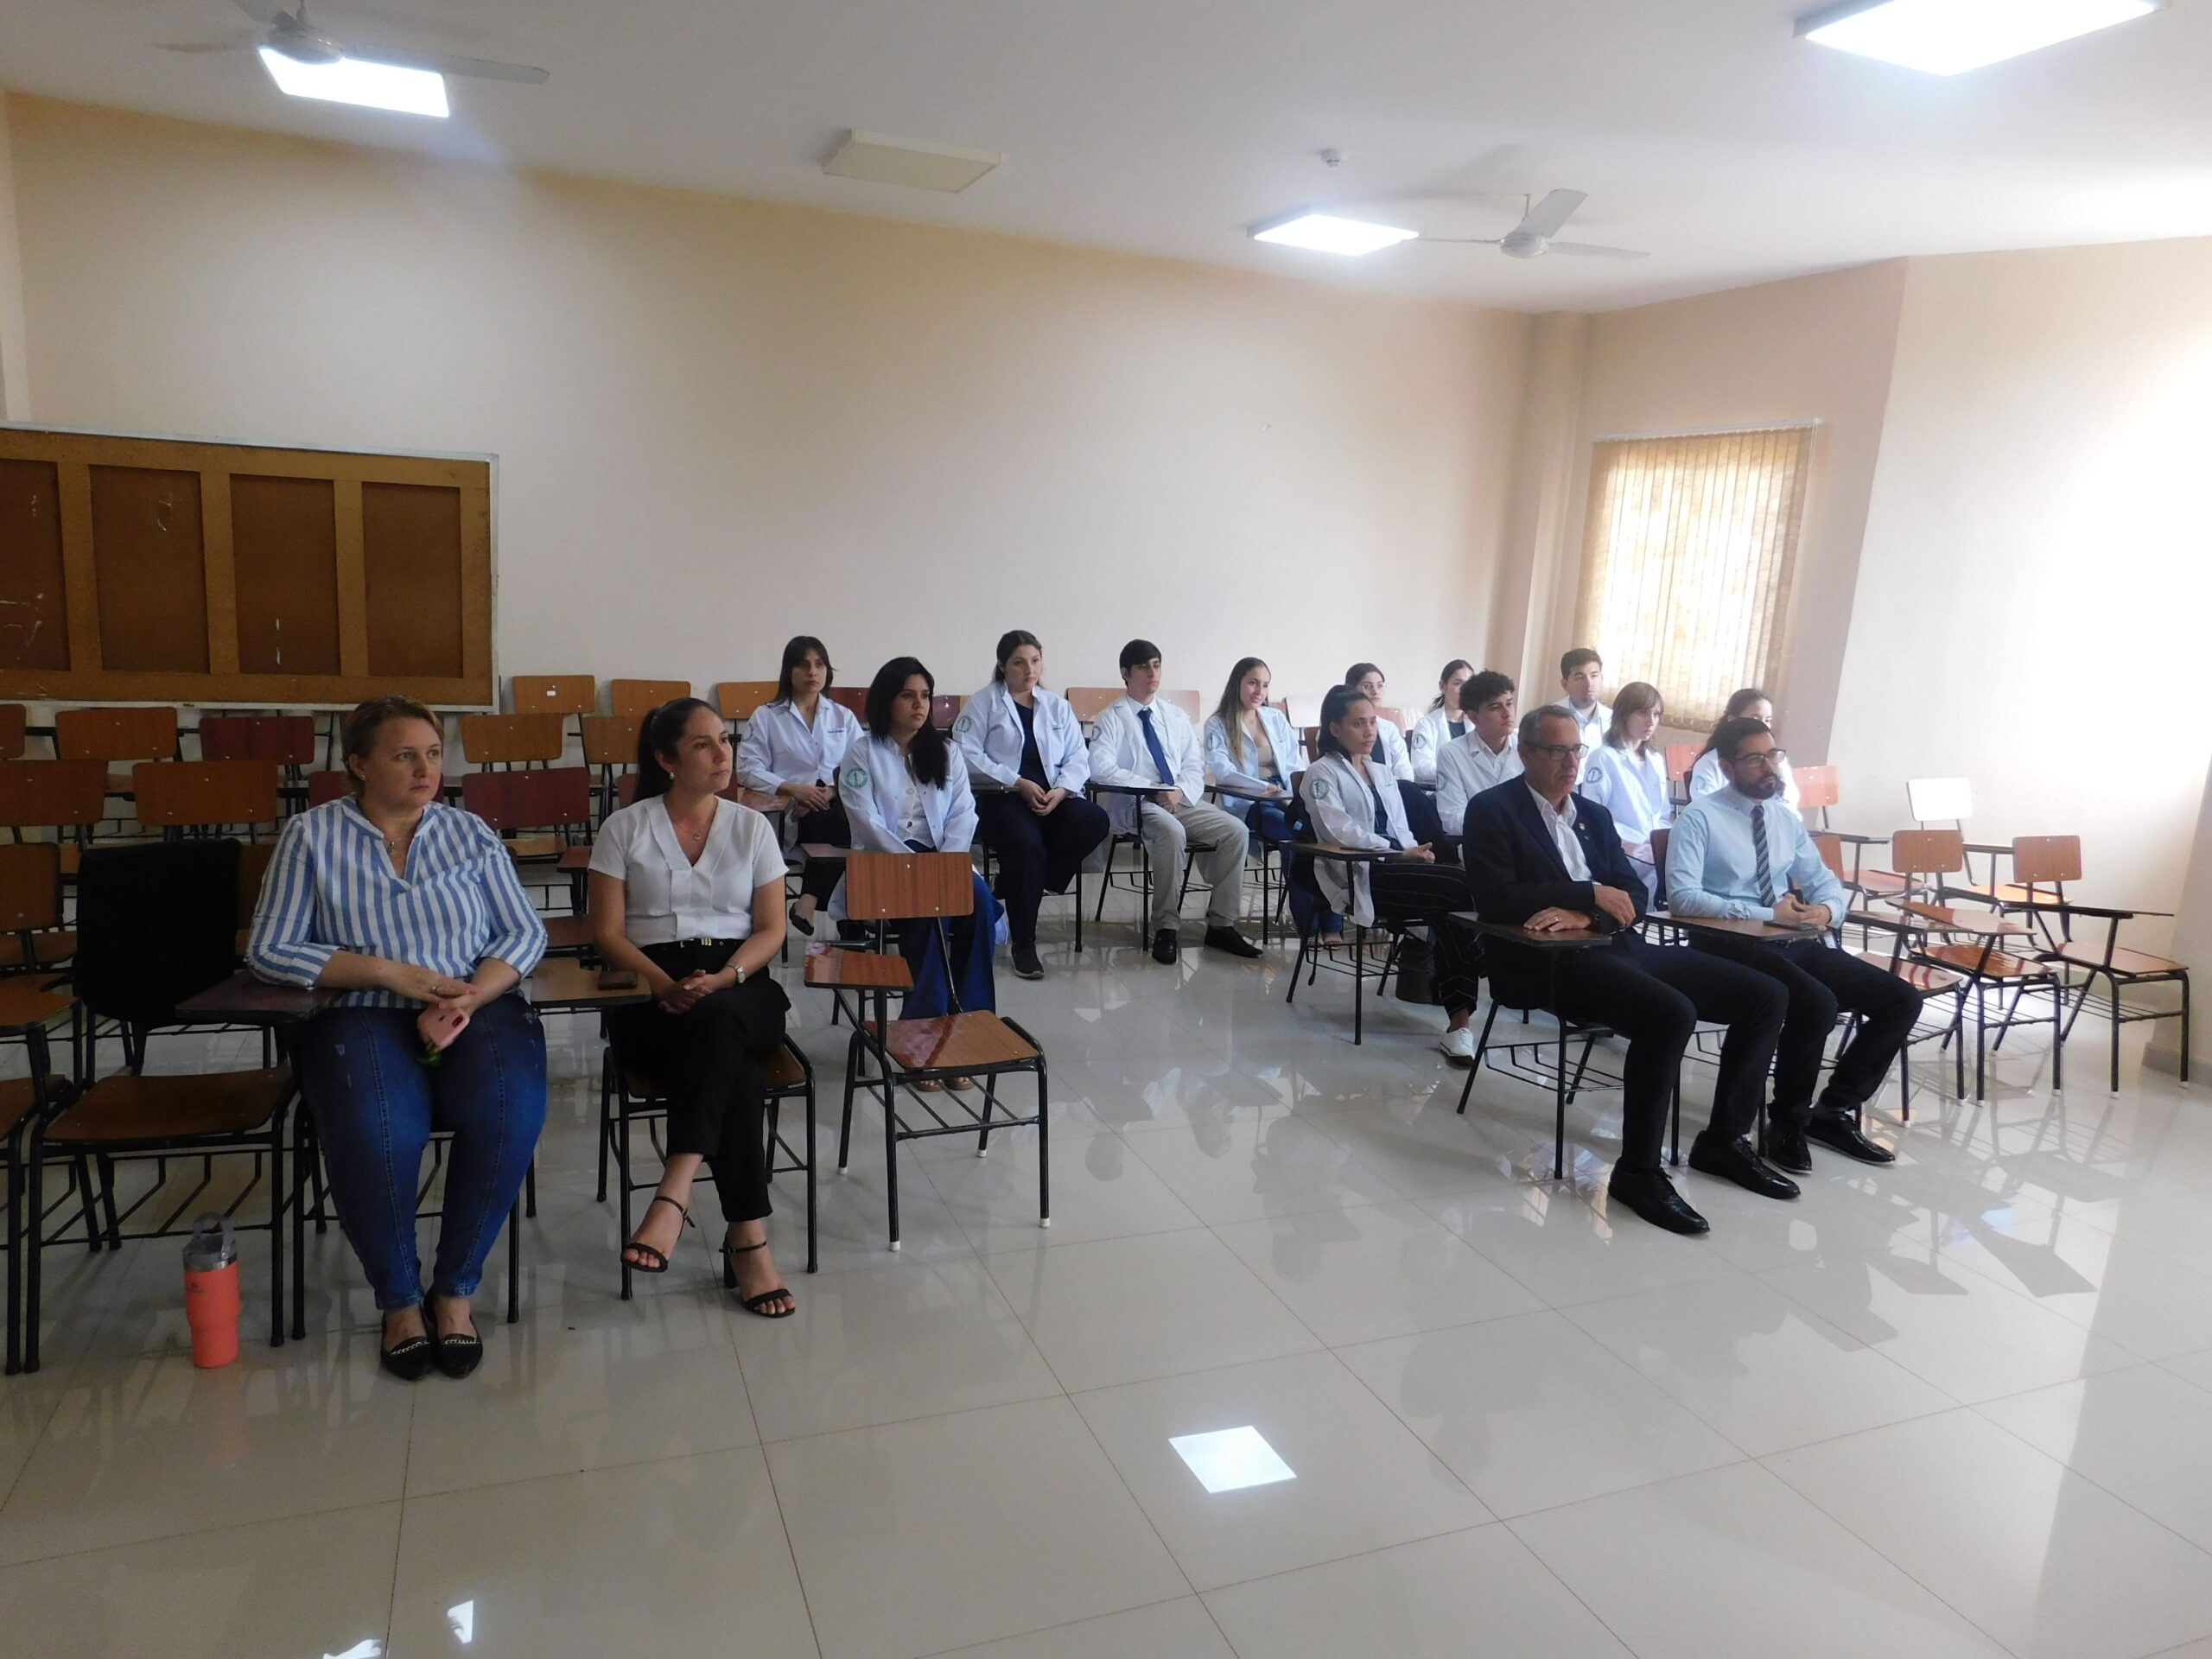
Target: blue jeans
<point>1270,824</point>
<point>375,1104</point>
<point>969,988</point>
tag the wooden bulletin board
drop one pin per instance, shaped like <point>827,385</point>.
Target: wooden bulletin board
<point>135,569</point>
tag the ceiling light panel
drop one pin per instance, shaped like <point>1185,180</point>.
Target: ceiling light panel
<point>356,80</point>
<point>1948,37</point>
<point>909,161</point>
<point>1327,233</point>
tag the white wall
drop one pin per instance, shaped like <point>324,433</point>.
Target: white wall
<point>721,423</point>
<point>15,368</point>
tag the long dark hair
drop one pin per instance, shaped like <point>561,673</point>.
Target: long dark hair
<point>926,753</point>
<point>1737,702</point>
<point>796,649</point>
<point>1444,678</point>
<point>1231,706</point>
<point>1359,671</point>
<point>1334,707</point>
<point>1009,642</point>
<point>658,733</point>
<point>1633,699</point>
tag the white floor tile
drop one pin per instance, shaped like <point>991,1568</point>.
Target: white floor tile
<point>1100,1189</point>
<point>1565,1251</point>
<point>2195,1368</point>
<point>1273,1166</point>
<point>1168,1629</point>
<point>2143,1434</point>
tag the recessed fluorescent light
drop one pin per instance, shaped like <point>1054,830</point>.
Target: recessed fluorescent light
<point>1948,37</point>
<point>356,80</point>
<point>1229,1458</point>
<point>1327,233</point>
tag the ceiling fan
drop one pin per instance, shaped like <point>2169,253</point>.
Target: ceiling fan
<point>1532,237</point>
<point>290,35</point>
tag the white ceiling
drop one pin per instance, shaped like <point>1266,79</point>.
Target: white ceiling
<point>1700,129</point>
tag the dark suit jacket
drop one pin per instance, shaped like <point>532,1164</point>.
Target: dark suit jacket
<point>1514,871</point>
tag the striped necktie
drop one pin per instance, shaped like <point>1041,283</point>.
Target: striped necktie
<point>1758,852</point>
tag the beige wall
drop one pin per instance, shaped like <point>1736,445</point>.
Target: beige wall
<point>721,423</point>
<point>2033,588</point>
<point>15,369</point>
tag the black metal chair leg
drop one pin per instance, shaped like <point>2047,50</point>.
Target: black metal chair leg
<point>514,1264</point>
<point>1476,1064</point>
<point>2113,980</point>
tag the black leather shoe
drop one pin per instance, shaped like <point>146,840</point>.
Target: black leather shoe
<point>459,1353</point>
<point>1164,945</point>
<point>409,1361</point>
<point>1785,1148</point>
<point>1229,939</point>
<point>1734,1160</point>
<point>1836,1131</point>
<point>1026,965</point>
<point>1651,1195</point>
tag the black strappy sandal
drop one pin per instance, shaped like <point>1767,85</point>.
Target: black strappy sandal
<point>656,1261</point>
<point>461,1352</point>
<point>758,1305</point>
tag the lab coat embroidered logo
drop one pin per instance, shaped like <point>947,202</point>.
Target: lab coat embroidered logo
<point>855,778</point>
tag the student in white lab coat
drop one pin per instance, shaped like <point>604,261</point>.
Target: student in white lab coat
<point>1627,774</point>
<point>1582,690</point>
<point>1142,742</point>
<point>1026,746</point>
<point>1348,795</point>
<point>1486,757</point>
<point>791,748</point>
<point>1707,778</point>
<point>904,792</point>
<point>1444,722</point>
<point>1392,754</point>
<point>1252,746</point>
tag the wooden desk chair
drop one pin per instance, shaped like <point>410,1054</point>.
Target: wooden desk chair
<point>882,888</point>
<point>538,813</point>
<point>738,699</point>
<point>181,797</point>
<point>1395,717</point>
<point>531,740</point>
<point>290,741</point>
<point>854,698</point>
<point>1191,703</point>
<point>1816,792</point>
<point>30,909</point>
<point>1315,952</point>
<point>569,697</point>
<point>15,730</point>
<point>1090,701</point>
<point>1140,879</point>
<point>324,787</point>
<point>944,710</point>
<point>1931,982</point>
<point>611,744</point>
<point>629,1096</point>
<point>635,699</point>
<point>1281,705</point>
<point>1681,760</point>
<point>66,797</point>
<point>26,1104</point>
<point>1311,736</point>
<point>117,737</point>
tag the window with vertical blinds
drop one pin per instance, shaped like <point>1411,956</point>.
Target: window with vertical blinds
<point>1688,559</point>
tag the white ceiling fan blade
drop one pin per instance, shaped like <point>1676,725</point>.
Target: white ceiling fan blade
<point>264,12</point>
<point>1592,250</point>
<point>1545,218</point>
<point>443,63</point>
<point>236,43</point>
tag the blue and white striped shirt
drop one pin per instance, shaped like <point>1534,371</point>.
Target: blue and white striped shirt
<point>330,887</point>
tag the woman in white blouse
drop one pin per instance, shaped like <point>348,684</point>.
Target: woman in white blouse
<point>687,892</point>
<point>1707,778</point>
<point>793,746</point>
<point>1627,773</point>
<point>1391,753</point>
<point>1444,722</point>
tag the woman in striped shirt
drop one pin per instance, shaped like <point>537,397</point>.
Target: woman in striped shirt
<point>410,910</point>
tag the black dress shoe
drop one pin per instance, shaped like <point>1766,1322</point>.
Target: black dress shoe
<point>1164,945</point>
<point>1785,1148</point>
<point>1651,1195</point>
<point>1229,939</point>
<point>1026,965</point>
<point>1837,1132</point>
<point>460,1352</point>
<point>409,1361</point>
<point>1734,1160</point>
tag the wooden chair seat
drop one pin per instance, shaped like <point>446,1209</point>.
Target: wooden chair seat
<point>2124,963</point>
<point>781,1070</point>
<point>2001,964</point>
<point>17,1098</point>
<point>533,849</point>
<point>46,949</point>
<point>1880,883</point>
<point>568,932</point>
<point>954,1042</point>
<point>149,1109</point>
<point>25,1003</point>
<point>577,858</point>
<point>1924,977</point>
<point>830,967</point>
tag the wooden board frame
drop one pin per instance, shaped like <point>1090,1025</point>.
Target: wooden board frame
<point>73,454</point>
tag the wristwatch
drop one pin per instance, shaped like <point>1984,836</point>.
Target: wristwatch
<point>740,972</point>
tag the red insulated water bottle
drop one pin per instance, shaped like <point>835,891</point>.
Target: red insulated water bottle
<point>211,1291</point>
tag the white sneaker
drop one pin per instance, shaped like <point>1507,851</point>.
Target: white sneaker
<point>1458,1046</point>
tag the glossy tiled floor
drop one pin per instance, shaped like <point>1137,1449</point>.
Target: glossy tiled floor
<point>1962,1406</point>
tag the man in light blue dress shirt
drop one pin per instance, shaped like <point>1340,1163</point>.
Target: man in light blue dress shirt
<point>1740,853</point>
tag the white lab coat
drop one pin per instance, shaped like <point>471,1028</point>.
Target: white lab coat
<point>779,748</point>
<point>1118,755</point>
<point>871,783</point>
<point>1343,813</point>
<point>1390,750</point>
<point>1224,763</point>
<point>1431,734</point>
<point>1707,778</point>
<point>1465,767</point>
<point>1633,788</point>
<point>988,737</point>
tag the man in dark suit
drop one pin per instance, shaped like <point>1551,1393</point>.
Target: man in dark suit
<point>1539,857</point>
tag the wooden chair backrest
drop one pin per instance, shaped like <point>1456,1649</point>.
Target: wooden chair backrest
<point>944,710</point>
<point>1090,701</point>
<point>53,794</point>
<point>189,794</point>
<point>638,698</point>
<point>1281,705</point>
<point>548,798</point>
<point>288,739</point>
<point>853,698</point>
<point>611,740</point>
<point>513,740</point>
<point>115,734</point>
<point>30,887</point>
<point>324,787</point>
<point>1928,852</point>
<point>1817,787</point>
<point>1682,760</point>
<point>1940,800</point>
<point>2046,860</point>
<point>1831,851</point>
<point>626,790</point>
<point>1191,703</point>
<point>15,730</point>
<point>898,886</point>
<point>253,870</point>
<point>1311,736</point>
<point>1659,836</point>
<point>1395,717</point>
<point>737,699</point>
<point>555,694</point>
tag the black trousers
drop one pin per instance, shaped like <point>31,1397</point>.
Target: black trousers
<point>1037,854</point>
<point>829,827</point>
<point>710,1062</point>
<point>1654,996</point>
<point>1420,814</point>
<point>1820,981</point>
<point>1409,891</point>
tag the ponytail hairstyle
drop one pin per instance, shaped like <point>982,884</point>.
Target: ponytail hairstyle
<point>1230,708</point>
<point>1738,703</point>
<point>926,754</point>
<point>1445,679</point>
<point>1633,699</point>
<point>1334,707</point>
<point>796,649</point>
<point>1359,671</point>
<point>1009,642</point>
<point>658,733</point>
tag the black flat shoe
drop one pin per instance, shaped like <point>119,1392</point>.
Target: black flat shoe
<point>409,1361</point>
<point>1734,1160</point>
<point>1165,944</point>
<point>459,1353</point>
<point>1651,1195</point>
<point>1839,1134</point>
<point>1026,965</point>
<point>1229,939</point>
<point>649,1259</point>
<point>755,1304</point>
<point>1785,1148</point>
<point>802,923</point>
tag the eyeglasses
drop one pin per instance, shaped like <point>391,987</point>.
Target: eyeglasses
<point>1560,751</point>
<point>1771,759</point>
